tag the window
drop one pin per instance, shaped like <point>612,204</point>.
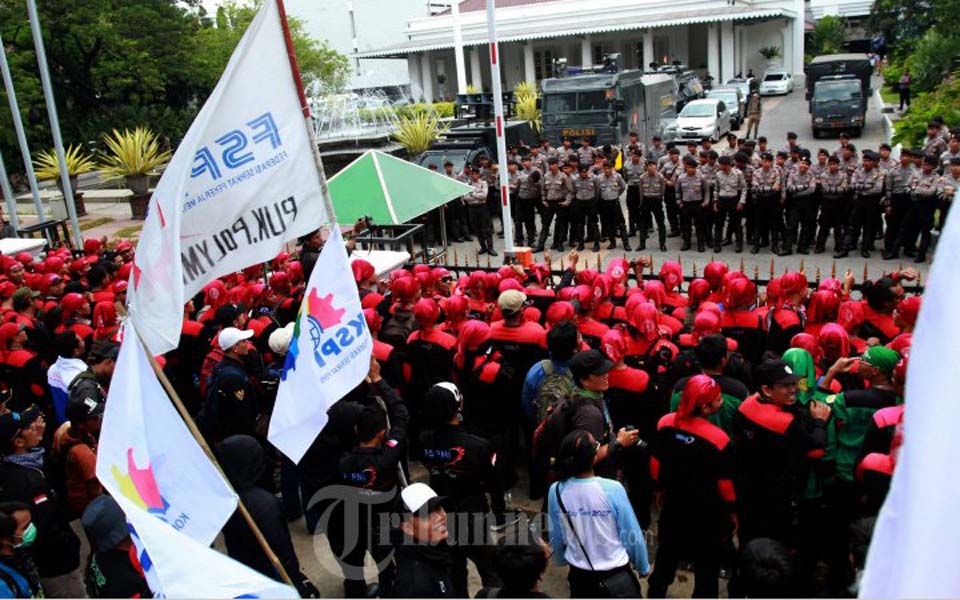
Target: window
<point>698,110</point>
<point>592,101</point>
<point>559,103</point>
<point>775,77</point>
<point>543,64</point>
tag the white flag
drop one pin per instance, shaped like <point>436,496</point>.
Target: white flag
<point>242,182</point>
<point>328,356</point>
<point>916,540</point>
<point>148,458</point>
<point>177,566</point>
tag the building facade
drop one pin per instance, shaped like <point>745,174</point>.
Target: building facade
<point>717,37</point>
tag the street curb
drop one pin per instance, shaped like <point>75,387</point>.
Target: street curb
<point>888,129</point>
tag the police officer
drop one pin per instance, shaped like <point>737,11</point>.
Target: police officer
<point>729,200</point>
<point>463,468</point>
<point>635,145</point>
<point>585,152</point>
<point>652,187</point>
<point>693,198</point>
<point>897,204</point>
<point>656,151</point>
<point>556,190</point>
<point>528,200</point>
<point>926,188</point>
<point>742,161</point>
<point>479,211</point>
<point>833,187</point>
<point>583,212</point>
<point>670,166</point>
<point>801,209</point>
<point>611,186</point>
<point>766,188</point>
<point>867,185</point>
<point>633,171</point>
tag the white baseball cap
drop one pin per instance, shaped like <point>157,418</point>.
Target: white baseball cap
<point>279,340</point>
<point>420,496</point>
<point>229,337</point>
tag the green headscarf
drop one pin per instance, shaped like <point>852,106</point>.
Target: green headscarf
<point>882,358</point>
<point>801,362</point>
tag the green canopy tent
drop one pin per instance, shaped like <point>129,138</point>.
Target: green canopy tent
<point>390,190</point>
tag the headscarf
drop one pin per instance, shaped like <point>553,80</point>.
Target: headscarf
<point>655,291</point>
<point>801,363</point>
<point>104,320</point>
<point>741,295</point>
<point>700,390</point>
<point>613,345</point>
<point>808,343</point>
<point>559,311</point>
<point>834,341</point>
<point>823,307</point>
<point>850,315</point>
<point>427,313</point>
<point>698,291</point>
<point>644,319</point>
<point>882,358</point>
<point>373,318</point>
<point>215,294</point>
<point>473,334</point>
<point>618,270</point>
<point>671,274</point>
<point>714,273</point>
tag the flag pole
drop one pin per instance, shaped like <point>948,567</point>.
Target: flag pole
<point>305,108</point>
<point>506,216</point>
<point>195,431</point>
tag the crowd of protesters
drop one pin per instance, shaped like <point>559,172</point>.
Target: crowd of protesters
<point>662,423</point>
<point>788,199</point>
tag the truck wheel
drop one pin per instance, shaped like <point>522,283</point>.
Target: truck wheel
<point>816,133</point>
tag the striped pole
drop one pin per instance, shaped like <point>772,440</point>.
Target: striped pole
<point>508,254</point>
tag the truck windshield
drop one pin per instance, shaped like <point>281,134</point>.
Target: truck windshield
<point>836,93</point>
<point>569,108</point>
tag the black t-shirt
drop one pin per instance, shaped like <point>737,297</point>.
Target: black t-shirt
<point>114,574</point>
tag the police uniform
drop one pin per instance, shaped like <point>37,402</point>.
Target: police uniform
<point>867,187</point>
<point>557,193</point>
<point>670,170</point>
<point>934,146</point>
<point>730,199</point>
<point>768,212</point>
<point>583,211</point>
<point>926,189</point>
<point>801,211</point>
<point>585,154</point>
<point>692,196</point>
<point>833,190</point>
<point>458,224</point>
<point>479,212</point>
<point>655,152</point>
<point>708,170</point>
<point>528,199</point>
<point>632,172</point>
<point>652,189</point>
<point>611,187</point>
<point>898,187</point>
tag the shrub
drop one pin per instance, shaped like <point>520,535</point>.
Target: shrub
<point>416,133</point>
<point>136,152</point>
<point>526,109</point>
<point>829,35</point>
<point>932,59</point>
<point>943,101</point>
<point>47,166</point>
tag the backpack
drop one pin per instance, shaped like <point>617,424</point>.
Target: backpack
<point>555,387</point>
<point>546,443</point>
<point>398,328</point>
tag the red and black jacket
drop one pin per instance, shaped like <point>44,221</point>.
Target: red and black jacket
<point>391,367</point>
<point>746,327</point>
<point>488,406</point>
<point>879,435</point>
<point>775,447</point>
<point>692,463</point>
<point>783,323</point>
<point>629,403</point>
<point>874,473</point>
<point>879,325</point>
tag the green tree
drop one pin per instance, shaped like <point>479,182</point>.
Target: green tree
<point>829,35</point>
<point>119,64</point>
<point>902,22</point>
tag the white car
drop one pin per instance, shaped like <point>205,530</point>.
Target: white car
<point>701,119</point>
<point>776,82</point>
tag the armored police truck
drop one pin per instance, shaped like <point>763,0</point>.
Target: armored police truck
<point>605,103</point>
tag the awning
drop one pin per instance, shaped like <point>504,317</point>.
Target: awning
<point>389,190</point>
<point>603,24</point>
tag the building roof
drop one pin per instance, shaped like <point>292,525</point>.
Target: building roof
<point>598,23</point>
<point>473,5</point>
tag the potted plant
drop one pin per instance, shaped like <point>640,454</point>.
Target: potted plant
<point>771,53</point>
<point>132,156</point>
<point>47,166</point>
<point>418,132</point>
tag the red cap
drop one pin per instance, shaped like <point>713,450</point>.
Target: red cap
<point>509,284</point>
<point>823,306</point>
<point>710,307</point>
<point>25,259</point>
<point>645,319</point>
<point>900,371</point>
<point>454,308</point>
<point>120,286</point>
<point>559,311</point>
<point>71,303</point>
<point>850,315</point>
<point>7,289</point>
<point>809,343</point>
<point>404,289</point>
<point>741,294</point>
<point>279,261</point>
<point>586,276</point>
<point>362,270</point>
<point>7,331</point>
<point>371,300</point>
<point>124,245</point>
<point>706,323</point>
<point>92,246</point>
<point>373,318</point>
<point>834,340</point>
<point>48,280</point>
<point>908,309</point>
<point>700,390</point>
<point>79,266</point>
<point>280,282</point>
<point>655,291</point>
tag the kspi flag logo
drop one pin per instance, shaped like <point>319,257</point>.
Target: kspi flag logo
<point>330,336</point>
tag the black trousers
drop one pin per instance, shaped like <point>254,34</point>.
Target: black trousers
<point>769,218</point>
<point>864,217</point>
<point>919,222</point>
<point>673,211</point>
<point>482,224</point>
<point>801,215</point>
<point>611,220</point>
<point>674,546</point>
<point>634,210</point>
<point>833,216</point>
<point>524,212</point>
<point>458,226</point>
<point>727,211</point>
<point>691,216</point>
<point>899,207</point>
<point>493,203</point>
<point>548,211</point>
<point>651,208</point>
<point>944,206</point>
<point>904,97</point>
<point>583,215</point>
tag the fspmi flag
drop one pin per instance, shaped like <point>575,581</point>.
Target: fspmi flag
<point>916,539</point>
<point>147,457</point>
<point>242,182</point>
<point>328,356</point>
<point>177,566</point>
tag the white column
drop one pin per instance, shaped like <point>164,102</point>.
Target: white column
<point>648,56</point>
<point>713,51</point>
<point>798,24</point>
<point>426,76</point>
<point>476,76</point>
<point>727,59</point>
<point>529,65</point>
<point>413,70</point>
<point>586,51</point>
<point>458,48</point>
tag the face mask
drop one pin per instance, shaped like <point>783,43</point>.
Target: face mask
<point>28,538</point>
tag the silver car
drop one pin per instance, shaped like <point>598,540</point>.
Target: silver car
<point>735,101</point>
<point>701,119</point>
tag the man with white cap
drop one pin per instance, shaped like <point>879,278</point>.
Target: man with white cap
<point>422,557</point>
<point>232,404</point>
